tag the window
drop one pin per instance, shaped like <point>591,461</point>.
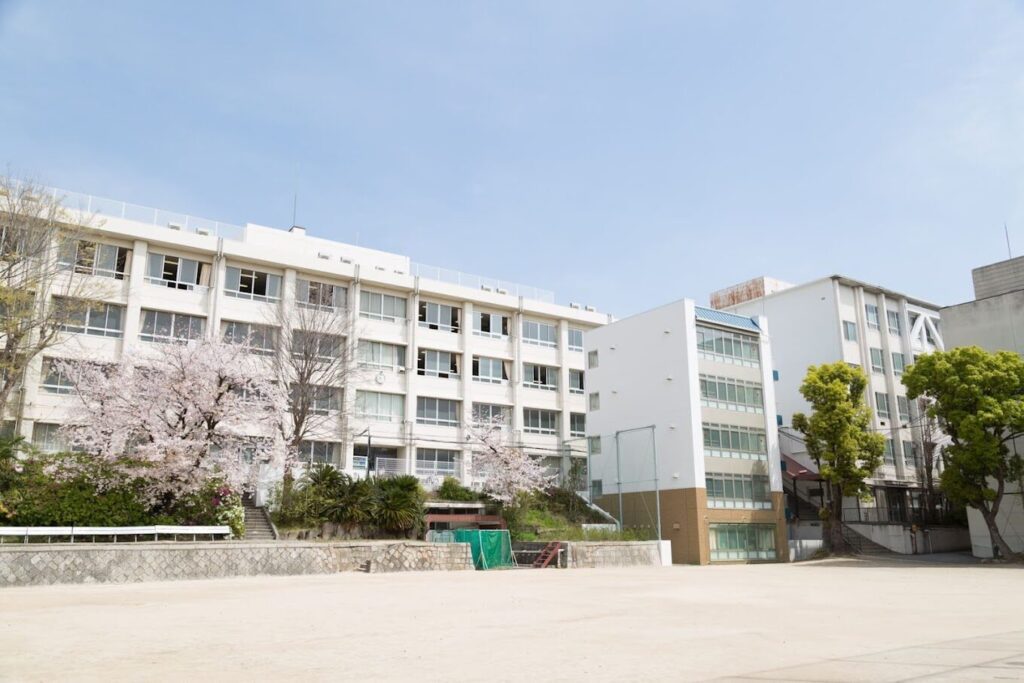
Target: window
<point>490,324</point>
<point>540,376</point>
<point>319,295</point>
<point>877,361</point>
<point>577,424</point>
<point>910,456</point>
<point>882,404</point>
<point>541,334</point>
<point>492,413</point>
<point>890,455</point>
<point>258,339</point>
<point>245,283</point>
<point>437,462</point>
<point>731,394</point>
<point>319,451</point>
<point>594,445</point>
<point>437,411</point>
<point>94,258</point>
<point>871,311</point>
<point>381,306</point>
<point>594,401</point>
<point>97,319</point>
<point>733,441</point>
<point>321,399</point>
<point>904,408</point>
<point>743,491</point>
<point>849,331</point>
<point>898,363</point>
<point>54,381</point>
<point>46,437</point>
<point>176,272</point>
<point>438,363</point>
<point>894,322</point>
<point>164,327</point>
<point>494,370</point>
<point>728,347</point>
<point>591,359</point>
<point>537,421</point>
<point>372,405</point>
<point>317,345</point>
<point>381,354</point>
<point>742,542</point>
<point>596,489</point>
<point>575,381</point>
<point>575,339</point>
<point>439,316</point>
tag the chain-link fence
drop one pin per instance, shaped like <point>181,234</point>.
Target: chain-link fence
<point>624,479</point>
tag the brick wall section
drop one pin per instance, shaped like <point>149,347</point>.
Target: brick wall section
<point>37,564</point>
<point>592,554</point>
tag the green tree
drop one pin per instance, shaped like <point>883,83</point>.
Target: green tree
<point>978,398</point>
<point>839,437</point>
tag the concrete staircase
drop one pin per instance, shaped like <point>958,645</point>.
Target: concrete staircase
<point>863,545</point>
<point>257,526</point>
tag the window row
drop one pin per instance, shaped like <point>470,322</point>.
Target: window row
<point>883,407</point>
<point>742,542</point>
<point>732,441</point>
<point>740,491</point>
<point>899,361</point>
<point>731,394</point>
<point>874,321</point>
<point>727,346</point>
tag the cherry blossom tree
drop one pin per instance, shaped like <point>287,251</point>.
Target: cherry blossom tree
<point>506,470</point>
<point>179,415</point>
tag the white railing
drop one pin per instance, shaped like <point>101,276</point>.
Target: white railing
<point>388,466</point>
<point>148,533</point>
<point>456,277</point>
<point>113,208</point>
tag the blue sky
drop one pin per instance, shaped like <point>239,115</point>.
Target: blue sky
<point>622,154</point>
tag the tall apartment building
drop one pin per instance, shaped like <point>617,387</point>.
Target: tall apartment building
<point>682,402</point>
<point>995,322</point>
<point>434,347</point>
<point>837,318</point>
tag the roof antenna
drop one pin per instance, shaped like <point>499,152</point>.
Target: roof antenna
<point>1006,231</point>
<point>295,195</point>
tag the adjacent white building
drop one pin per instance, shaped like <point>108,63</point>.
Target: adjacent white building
<point>995,322</point>
<point>682,403</point>
<point>838,318</point>
<point>435,347</point>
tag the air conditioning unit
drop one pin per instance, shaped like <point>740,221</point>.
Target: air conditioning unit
<point>590,308</point>
<point>202,231</point>
<point>346,260</point>
<point>399,272</point>
<point>380,268</point>
<point>573,304</point>
<point>486,288</point>
<point>174,226</point>
<point>323,256</point>
<point>501,291</point>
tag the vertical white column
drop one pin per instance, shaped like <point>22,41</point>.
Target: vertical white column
<point>350,426</point>
<point>136,293</point>
<point>563,395</point>
<point>516,336</point>
<point>466,345</point>
<point>216,294</point>
<point>411,377</point>
<point>890,388</point>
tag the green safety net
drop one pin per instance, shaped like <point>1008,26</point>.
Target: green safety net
<point>491,549</point>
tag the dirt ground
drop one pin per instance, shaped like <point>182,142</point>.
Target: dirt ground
<point>825,621</point>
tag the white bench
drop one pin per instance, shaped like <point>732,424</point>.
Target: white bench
<point>149,533</point>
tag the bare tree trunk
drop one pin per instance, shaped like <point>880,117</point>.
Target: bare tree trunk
<point>833,536</point>
<point>997,538</point>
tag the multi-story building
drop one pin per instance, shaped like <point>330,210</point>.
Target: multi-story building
<point>682,432</point>
<point>838,318</point>
<point>995,322</point>
<point>434,347</point>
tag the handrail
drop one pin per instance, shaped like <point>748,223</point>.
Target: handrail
<point>72,532</point>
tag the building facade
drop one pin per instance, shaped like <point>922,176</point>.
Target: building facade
<point>682,432</point>
<point>995,322</point>
<point>838,318</point>
<point>433,348</point>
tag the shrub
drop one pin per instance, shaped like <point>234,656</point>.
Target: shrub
<point>452,489</point>
<point>396,505</point>
<point>214,504</point>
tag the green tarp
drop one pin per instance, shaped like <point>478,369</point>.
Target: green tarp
<point>491,549</point>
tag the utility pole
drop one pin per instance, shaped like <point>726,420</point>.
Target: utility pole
<point>1006,231</point>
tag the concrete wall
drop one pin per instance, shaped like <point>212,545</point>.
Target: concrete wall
<point>37,564</point>
<point>900,539</point>
<point>1010,521</point>
<point>998,278</point>
<point>593,554</point>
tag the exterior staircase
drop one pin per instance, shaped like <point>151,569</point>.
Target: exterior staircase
<point>863,545</point>
<point>548,554</point>
<point>257,523</point>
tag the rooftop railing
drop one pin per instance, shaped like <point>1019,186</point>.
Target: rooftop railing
<point>486,284</point>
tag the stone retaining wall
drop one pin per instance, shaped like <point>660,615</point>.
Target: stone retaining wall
<point>38,564</point>
<point>590,554</point>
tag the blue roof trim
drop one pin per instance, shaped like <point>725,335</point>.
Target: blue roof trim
<point>722,318</point>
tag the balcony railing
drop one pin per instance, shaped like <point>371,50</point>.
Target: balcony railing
<point>479,282</point>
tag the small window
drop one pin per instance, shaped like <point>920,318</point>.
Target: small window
<point>594,445</point>
<point>576,382</point>
<point>849,331</point>
<point>492,413</point>
<point>95,258</point>
<point>592,359</point>
<point>877,361</point>
<point>540,334</point>
<point>54,381</point>
<point>493,370</point>
<point>96,319</point>
<point>315,346</point>
<point>595,489</point>
<point>890,453</point>
<point>894,322</point>
<point>575,339</point>
<point>898,363</point>
<point>904,408</point>
<point>437,411</point>
<point>163,327</point>
<point>442,364</point>
<point>540,376</point>
<point>594,401</point>
<point>882,403</point>
<point>372,405</point>
<point>381,354</point>
<point>490,324</point>
<point>319,452</point>
<point>577,424</point>
<point>176,272</point>
<point>246,283</point>
<point>439,316</point>
<point>537,421</point>
<point>378,306</point>
<point>871,312</point>
<point>258,339</point>
<point>319,295</point>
